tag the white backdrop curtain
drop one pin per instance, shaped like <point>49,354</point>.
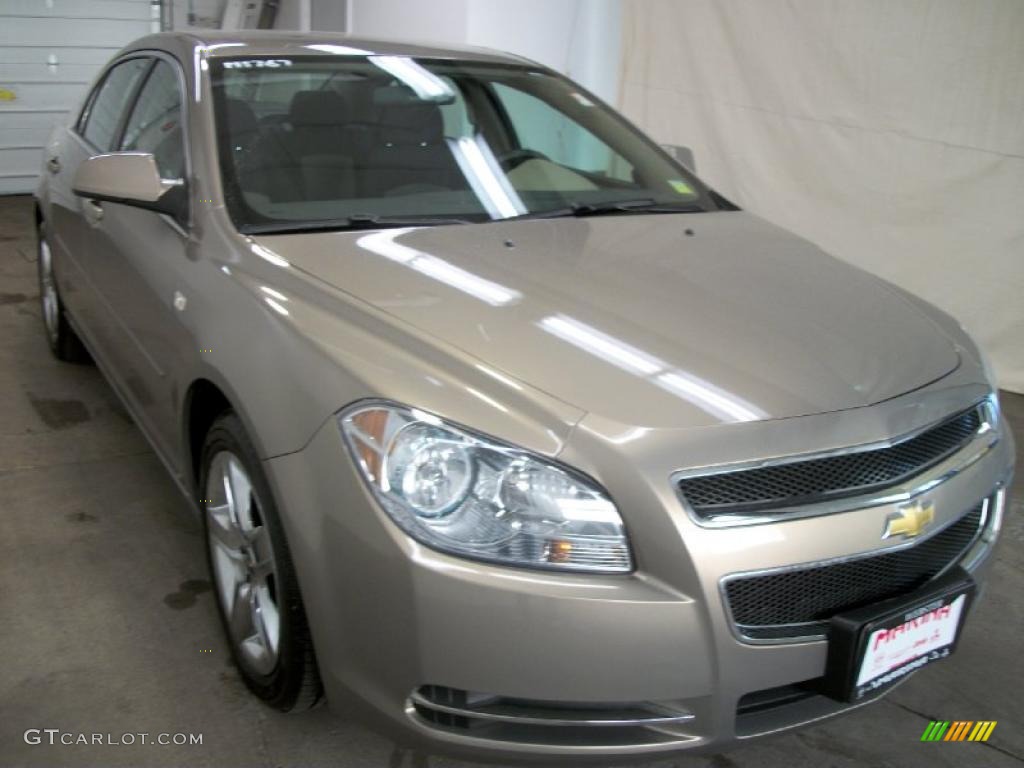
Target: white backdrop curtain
<point>889,132</point>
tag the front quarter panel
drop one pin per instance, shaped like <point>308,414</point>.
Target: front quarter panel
<point>294,351</point>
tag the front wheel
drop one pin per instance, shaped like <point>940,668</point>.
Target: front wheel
<point>64,342</point>
<point>253,576</point>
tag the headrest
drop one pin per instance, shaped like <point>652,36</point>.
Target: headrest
<point>238,117</point>
<point>317,108</point>
<point>412,123</point>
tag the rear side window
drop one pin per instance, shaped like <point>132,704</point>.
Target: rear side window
<point>110,101</point>
<point>155,122</point>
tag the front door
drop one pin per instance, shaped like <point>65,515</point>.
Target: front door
<point>137,258</point>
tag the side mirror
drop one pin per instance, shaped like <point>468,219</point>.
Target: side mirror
<point>131,178</point>
<point>682,155</point>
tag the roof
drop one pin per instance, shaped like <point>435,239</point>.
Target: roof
<point>219,42</point>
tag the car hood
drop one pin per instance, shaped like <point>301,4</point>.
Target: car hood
<point>648,320</point>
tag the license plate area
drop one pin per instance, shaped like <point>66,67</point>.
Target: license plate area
<point>875,647</point>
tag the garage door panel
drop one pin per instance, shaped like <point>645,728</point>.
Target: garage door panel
<point>30,123</point>
<point>45,31</point>
<point>82,9</point>
<point>31,96</point>
<point>22,140</point>
<point>12,184</point>
<point>27,160</point>
<point>38,72</point>
<point>30,137</point>
<point>94,56</point>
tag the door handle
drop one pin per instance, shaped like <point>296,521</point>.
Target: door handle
<point>93,210</point>
<point>53,165</point>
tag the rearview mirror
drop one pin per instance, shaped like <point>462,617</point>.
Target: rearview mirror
<point>683,155</point>
<point>131,178</point>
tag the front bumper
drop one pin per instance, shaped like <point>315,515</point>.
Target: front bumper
<point>421,641</point>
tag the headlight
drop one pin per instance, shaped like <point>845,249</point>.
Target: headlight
<point>474,497</point>
<point>986,365</point>
<point>990,377</point>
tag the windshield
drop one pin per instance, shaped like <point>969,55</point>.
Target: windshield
<point>341,142</point>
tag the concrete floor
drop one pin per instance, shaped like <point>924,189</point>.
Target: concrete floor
<point>107,623</point>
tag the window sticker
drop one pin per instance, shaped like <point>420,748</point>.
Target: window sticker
<point>258,64</point>
<point>681,186</point>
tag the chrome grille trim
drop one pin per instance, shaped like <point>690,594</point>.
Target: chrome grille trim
<point>562,726</point>
<point>638,715</point>
<point>983,440</point>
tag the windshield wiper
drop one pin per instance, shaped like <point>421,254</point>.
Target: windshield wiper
<point>581,210</point>
<point>348,224</point>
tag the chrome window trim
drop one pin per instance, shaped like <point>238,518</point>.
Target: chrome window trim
<point>969,557</point>
<point>984,440</point>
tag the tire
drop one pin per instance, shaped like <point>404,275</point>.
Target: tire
<point>252,572</point>
<point>64,342</point>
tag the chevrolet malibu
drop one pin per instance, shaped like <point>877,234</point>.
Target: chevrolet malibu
<point>505,429</point>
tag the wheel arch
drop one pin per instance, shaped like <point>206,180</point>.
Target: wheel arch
<point>207,396</point>
<point>204,402</point>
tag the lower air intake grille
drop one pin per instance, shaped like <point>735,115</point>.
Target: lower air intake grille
<point>800,602</point>
<point>801,482</point>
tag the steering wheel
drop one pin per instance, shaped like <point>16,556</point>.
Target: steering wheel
<point>516,157</point>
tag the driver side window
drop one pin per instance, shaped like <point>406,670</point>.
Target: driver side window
<point>155,122</point>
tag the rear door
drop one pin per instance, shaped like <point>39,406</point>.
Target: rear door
<point>70,224</point>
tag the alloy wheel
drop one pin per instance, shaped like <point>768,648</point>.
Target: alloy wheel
<point>48,291</point>
<point>244,568</point>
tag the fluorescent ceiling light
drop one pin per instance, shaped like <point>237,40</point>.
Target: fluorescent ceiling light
<point>340,50</point>
<point>499,376</point>
<point>276,307</point>
<point>710,398</point>
<point>424,83</point>
<point>489,183</point>
<point>597,510</point>
<point>383,243</point>
<point>268,255</point>
<point>490,401</point>
<point>723,405</point>
<point>602,345</point>
<point>271,292</point>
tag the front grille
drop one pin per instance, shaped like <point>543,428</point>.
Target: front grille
<point>748,491</point>
<point>800,602</point>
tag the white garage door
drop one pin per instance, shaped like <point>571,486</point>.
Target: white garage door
<point>49,52</point>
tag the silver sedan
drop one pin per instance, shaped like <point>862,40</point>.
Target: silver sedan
<point>504,426</point>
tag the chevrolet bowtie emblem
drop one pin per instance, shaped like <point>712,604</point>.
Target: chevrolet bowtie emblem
<point>910,521</point>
